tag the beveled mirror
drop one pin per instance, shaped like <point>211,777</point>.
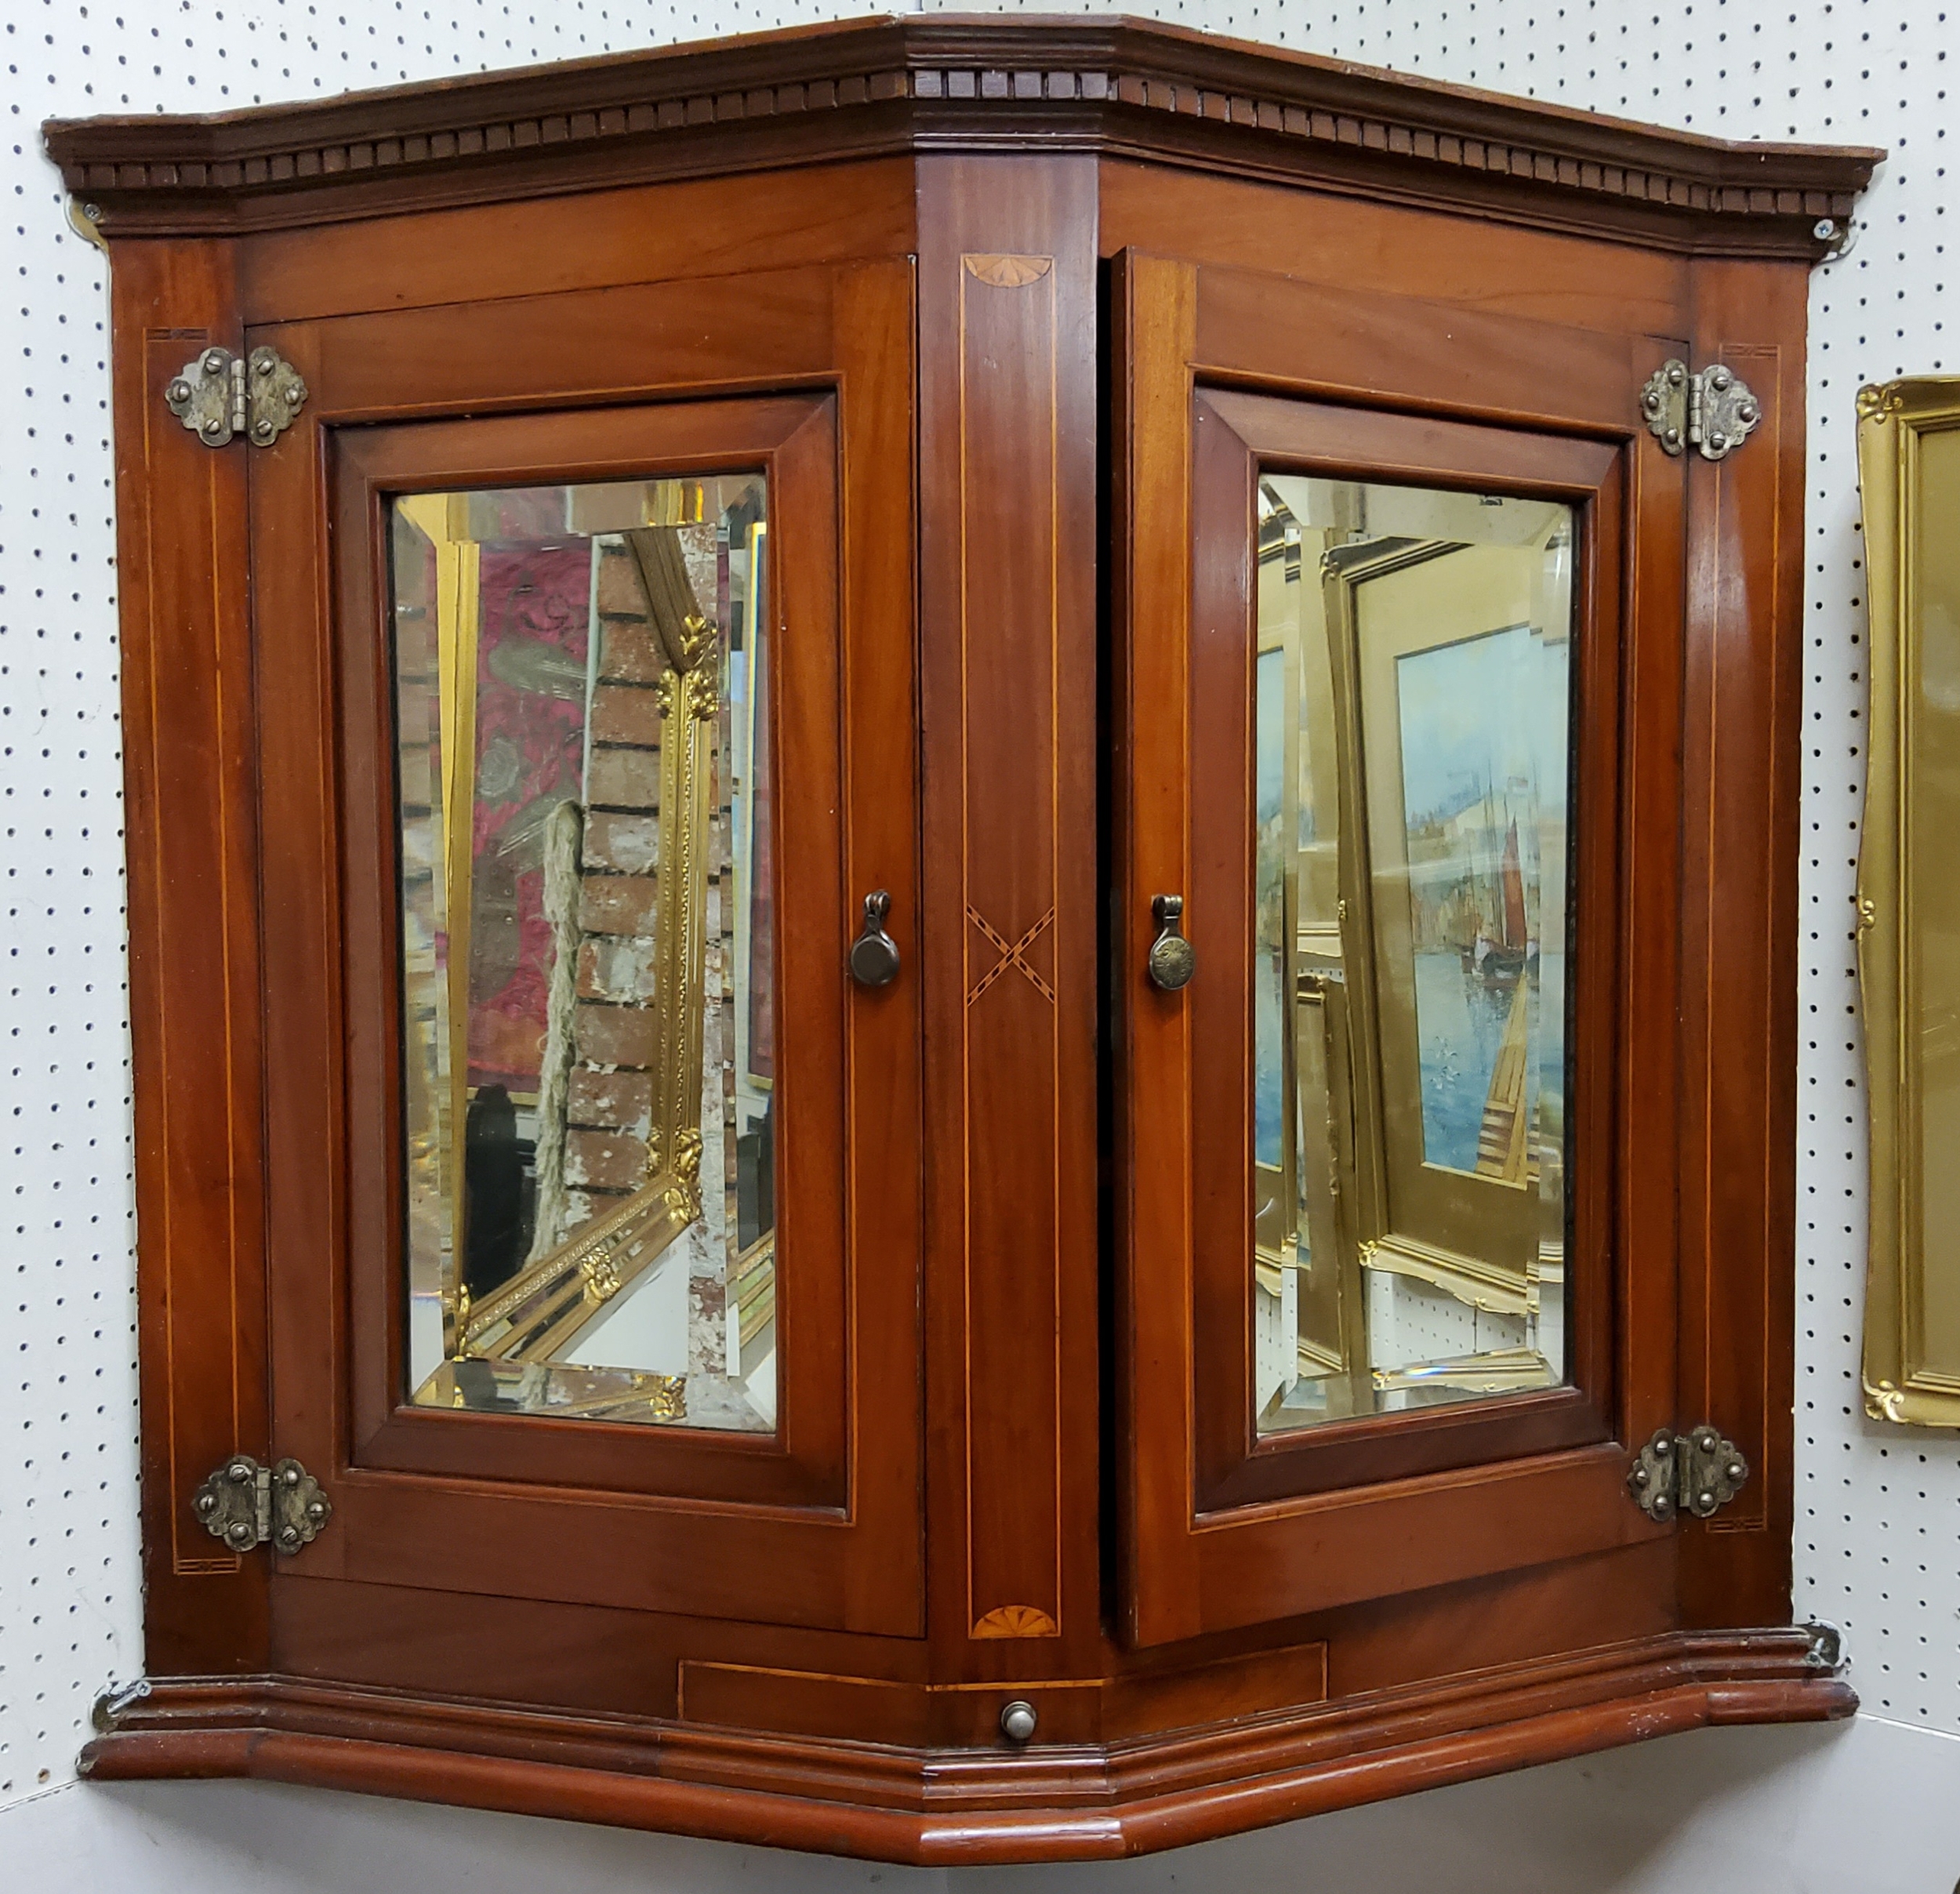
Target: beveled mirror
<point>582,711</point>
<point>1412,711</point>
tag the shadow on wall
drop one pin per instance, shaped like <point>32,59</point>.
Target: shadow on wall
<point>1865,1808</point>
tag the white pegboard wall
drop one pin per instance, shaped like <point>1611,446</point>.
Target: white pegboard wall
<point>1879,1510</point>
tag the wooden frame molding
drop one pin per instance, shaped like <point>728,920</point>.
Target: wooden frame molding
<point>1095,1800</point>
<point>1906,435</point>
<point>955,84</point>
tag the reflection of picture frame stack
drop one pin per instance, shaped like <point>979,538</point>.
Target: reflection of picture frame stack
<point>1389,602</point>
<point>571,835</point>
<point>752,1287</point>
<point>633,1146</point>
<point>755,887</point>
<point>1411,720</point>
<point>747,923</point>
<point>1307,1287</point>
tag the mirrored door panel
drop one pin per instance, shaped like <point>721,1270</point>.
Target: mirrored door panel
<point>594,1248</point>
<point>1411,754</point>
<point>582,706</point>
<point>1398,1237</point>
<point>1394,1186</point>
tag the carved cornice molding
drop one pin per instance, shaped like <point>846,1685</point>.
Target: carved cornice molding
<point>1123,87</point>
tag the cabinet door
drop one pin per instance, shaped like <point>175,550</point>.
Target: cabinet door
<point>1399,658</point>
<point>584,636</point>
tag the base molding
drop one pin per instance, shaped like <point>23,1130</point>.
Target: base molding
<point>963,1806</point>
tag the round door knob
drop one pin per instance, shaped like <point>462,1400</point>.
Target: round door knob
<point>1018,1721</point>
<point>874,954</point>
<point>1172,960</point>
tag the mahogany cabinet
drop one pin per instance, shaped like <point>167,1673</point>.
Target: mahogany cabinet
<point>962,921</point>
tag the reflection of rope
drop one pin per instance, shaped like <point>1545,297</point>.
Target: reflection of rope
<point>562,831</point>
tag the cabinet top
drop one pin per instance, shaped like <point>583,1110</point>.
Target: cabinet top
<point>1107,85</point>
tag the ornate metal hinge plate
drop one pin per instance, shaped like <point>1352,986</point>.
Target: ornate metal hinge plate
<point>218,394</point>
<point>246,1505</point>
<point>1714,411</point>
<point>1697,1473</point>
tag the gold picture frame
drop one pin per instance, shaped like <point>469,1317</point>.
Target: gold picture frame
<point>1908,902</point>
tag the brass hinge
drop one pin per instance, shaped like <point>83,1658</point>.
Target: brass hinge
<point>1697,1472</point>
<point>219,394</point>
<point>1713,412</point>
<point>246,1505</point>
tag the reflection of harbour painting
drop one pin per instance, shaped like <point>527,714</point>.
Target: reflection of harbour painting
<point>1483,775</point>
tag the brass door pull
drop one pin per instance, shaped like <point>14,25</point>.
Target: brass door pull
<point>1172,960</point>
<point>874,954</point>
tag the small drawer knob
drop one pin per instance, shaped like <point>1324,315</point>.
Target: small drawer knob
<point>1018,1721</point>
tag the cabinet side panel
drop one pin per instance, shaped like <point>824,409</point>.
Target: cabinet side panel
<point>1741,723</point>
<point>194,981</point>
<point>1007,413</point>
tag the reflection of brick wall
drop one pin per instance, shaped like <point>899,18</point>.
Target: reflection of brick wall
<point>609,1102</point>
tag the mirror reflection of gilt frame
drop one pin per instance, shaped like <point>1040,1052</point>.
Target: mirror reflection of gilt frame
<point>1406,1204</point>
<point>1303,1249</point>
<point>1909,898</point>
<point>534,1316</point>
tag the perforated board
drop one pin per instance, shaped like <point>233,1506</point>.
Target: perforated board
<point>1879,1509</point>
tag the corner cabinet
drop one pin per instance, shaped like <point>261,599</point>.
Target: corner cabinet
<point>962,921</point>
